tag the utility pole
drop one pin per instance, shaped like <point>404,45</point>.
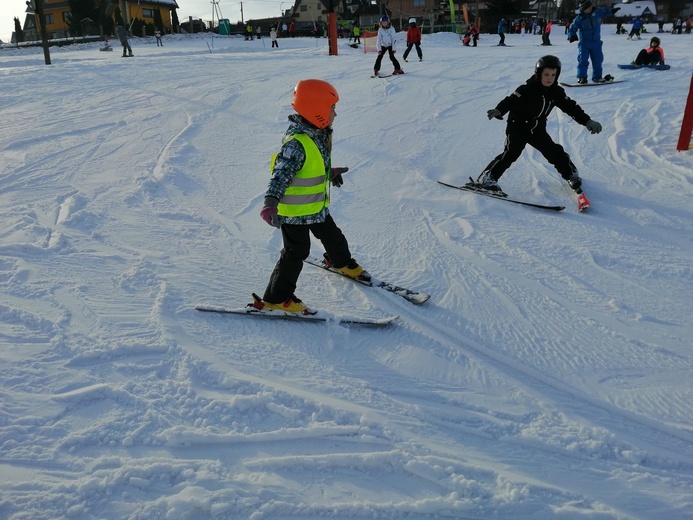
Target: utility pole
<point>36,6</point>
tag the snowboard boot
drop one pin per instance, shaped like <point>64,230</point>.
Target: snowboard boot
<point>582,81</point>
<point>398,71</point>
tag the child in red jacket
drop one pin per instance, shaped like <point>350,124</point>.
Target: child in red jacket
<point>654,55</point>
<point>413,38</point>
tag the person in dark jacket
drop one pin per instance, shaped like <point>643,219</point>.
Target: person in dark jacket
<point>298,197</point>
<point>527,109</point>
<point>123,37</point>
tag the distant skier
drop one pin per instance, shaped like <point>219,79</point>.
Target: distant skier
<point>527,109</point>
<point>385,42</point>
<point>588,24</point>
<point>637,27</point>
<point>413,38</point>
<point>298,196</point>
<point>273,37</point>
<point>123,37</point>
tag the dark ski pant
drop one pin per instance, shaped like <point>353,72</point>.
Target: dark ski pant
<point>126,48</point>
<point>282,283</point>
<point>418,50</point>
<point>517,138</point>
<point>379,60</point>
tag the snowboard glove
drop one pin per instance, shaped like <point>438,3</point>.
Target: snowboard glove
<point>615,10</point>
<point>573,38</point>
<point>593,126</point>
<point>494,112</point>
<point>269,212</point>
<point>337,180</point>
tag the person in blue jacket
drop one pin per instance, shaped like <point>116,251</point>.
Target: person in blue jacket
<point>501,32</point>
<point>587,24</point>
<point>637,27</point>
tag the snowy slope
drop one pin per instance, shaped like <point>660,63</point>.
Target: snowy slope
<point>549,375</point>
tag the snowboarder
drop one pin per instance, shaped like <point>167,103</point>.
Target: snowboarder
<point>273,37</point>
<point>654,55</point>
<point>528,108</point>
<point>385,42</point>
<point>157,35</point>
<point>501,32</point>
<point>298,196</point>
<point>123,37</point>
<point>588,25</point>
<point>413,38</point>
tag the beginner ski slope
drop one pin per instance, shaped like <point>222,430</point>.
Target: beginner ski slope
<point>548,377</point>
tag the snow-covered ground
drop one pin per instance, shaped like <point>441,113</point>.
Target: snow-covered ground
<point>549,375</point>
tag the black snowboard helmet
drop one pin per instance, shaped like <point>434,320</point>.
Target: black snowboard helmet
<point>550,62</point>
<point>654,39</point>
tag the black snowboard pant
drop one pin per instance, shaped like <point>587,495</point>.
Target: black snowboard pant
<point>517,138</point>
<point>648,58</point>
<point>379,59</point>
<point>282,283</point>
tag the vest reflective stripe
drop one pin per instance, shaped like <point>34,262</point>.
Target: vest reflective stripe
<point>307,194</point>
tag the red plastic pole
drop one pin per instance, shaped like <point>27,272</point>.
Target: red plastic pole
<point>687,124</point>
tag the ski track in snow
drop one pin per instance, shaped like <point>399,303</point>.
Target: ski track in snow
<point>548,376</point>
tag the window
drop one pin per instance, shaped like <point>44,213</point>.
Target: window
<point>148,13</point>
<point>419,3</point>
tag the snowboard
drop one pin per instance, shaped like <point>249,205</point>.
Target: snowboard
<point>592,84</point>
<point>631,66</point>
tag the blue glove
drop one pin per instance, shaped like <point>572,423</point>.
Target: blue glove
<point>269,212</point>
<point>573,38</point>
<point>593,126</point>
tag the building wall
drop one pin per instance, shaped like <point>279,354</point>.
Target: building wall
<point>56,11</point>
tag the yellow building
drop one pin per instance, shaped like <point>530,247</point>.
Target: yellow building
<point>59,18</point>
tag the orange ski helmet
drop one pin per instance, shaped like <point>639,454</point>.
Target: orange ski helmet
<point>313,100</point>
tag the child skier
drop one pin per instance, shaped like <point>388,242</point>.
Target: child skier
<point>527,109</point>
<point>298,197</point>
<point>413,38</point>
<point>386,42</point>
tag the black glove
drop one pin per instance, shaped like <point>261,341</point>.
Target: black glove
<point>615,10</point>
<point>573,38</point>
<point>494,112</point>
<point>593,126</point>
<point>337,180</point>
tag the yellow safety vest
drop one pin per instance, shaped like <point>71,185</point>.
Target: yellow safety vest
<point>307,194</point>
